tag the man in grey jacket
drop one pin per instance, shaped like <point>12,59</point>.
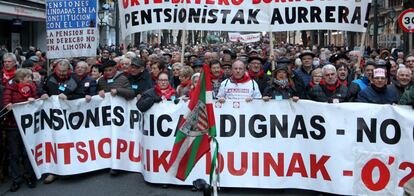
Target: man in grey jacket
<point>114,82</point>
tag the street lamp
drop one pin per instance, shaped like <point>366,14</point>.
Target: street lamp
<point>103,23</point>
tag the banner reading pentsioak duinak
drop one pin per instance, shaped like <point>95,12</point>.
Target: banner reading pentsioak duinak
<point>243,15</point>
<point>347,148</point>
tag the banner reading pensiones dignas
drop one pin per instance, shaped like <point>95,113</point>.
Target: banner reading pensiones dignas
<point>349,148</point>
<point>243,15</point>
<point>71,28</point>
<point>244,38</point>
<point>71,137</point>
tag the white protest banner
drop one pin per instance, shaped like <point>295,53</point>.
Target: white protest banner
<point>234,37</point>
<point>71,28</point>
<point>348,148</point>
<point>243,15</point>
<point>71,137</point>
<point>244,38</point>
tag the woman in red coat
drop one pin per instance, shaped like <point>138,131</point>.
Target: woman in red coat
<point>21,89</point>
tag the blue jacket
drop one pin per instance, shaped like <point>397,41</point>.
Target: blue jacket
<point>362,83</point>
<point>305,76</point>
<point>369,95</point>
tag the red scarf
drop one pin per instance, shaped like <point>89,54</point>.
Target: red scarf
<point>311,84</point>
<point>213,77</point>
<point>243,79</point>
<point>255,75</point>
<point>8,75</point>
<point>330,88</point>
<point>344,83</point>
<point>167,93</point>
<point>185,84</point>
<point>37,68</point>
<point>24,89</point>
<point>154,78</point>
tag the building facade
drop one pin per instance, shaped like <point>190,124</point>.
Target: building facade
<point>22,24</point>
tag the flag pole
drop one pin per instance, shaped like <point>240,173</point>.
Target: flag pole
<point>183,41</point>
<point>361,48</point>
<point>271,53</point>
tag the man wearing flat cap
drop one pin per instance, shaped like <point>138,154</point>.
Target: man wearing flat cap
<point>257,73</point>
<point>114,82</point>
<point>304,72</point>
<point>139,77</point>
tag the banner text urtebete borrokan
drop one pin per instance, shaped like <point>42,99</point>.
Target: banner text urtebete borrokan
<point>348,148</point>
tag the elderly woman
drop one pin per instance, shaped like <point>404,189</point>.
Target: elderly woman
<point>185,81</point>
<point>21,89</point>
<point>161,91</point>
<point>280,87</point>
<point>316,79</point>
<point>175,81</point>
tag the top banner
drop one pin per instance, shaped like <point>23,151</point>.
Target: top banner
<point>71,28</point>
<point>243,15</point>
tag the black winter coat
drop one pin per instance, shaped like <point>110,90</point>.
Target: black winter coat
<point>86,86</point>
<point>275,90</point>
<point>53,86</point>
<point>147,100</point>
<point>118,82</point>
<point>141,82</point>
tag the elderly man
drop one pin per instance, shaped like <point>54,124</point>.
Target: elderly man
<point>330,89</point>
<point>61,82</point>
<point>409,63</point>
<point>378,92</point>
<point>139,77</point>
<point>114,82</point>
<point>124,65</point>
<point>9,67</point>
<point>239,86</point>
<point>403,81</point>
<point>257,73</point>
<point>304,72</point>
<point>86,84</point>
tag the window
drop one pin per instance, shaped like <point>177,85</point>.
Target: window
<point>394,3</point>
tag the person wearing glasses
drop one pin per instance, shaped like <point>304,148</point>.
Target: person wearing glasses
<point>161,91</point>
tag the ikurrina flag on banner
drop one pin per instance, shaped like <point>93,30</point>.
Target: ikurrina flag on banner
<point>197,131</point>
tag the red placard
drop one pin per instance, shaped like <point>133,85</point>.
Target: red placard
<point>406,20</point>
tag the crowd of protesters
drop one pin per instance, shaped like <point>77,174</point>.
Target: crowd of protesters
<point>238,71</point>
